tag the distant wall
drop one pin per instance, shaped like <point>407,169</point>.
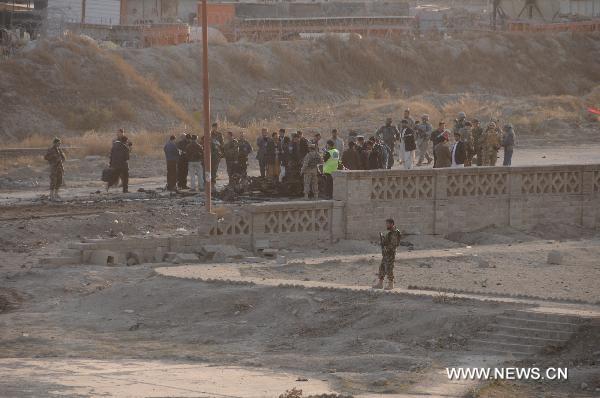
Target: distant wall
<point>439,201</point>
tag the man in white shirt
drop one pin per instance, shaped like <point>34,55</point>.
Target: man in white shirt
<point>337,141</point>
<point>407,144</point>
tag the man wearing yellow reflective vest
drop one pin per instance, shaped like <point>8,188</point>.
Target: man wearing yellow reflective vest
<point>331,162</point>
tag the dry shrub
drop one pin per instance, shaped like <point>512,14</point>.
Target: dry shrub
<point>151,88</point>
<point>253,65</point>
<point>124,110</point>
<point>378,91</point>
<point>91,118</point>
<point>92,143</point>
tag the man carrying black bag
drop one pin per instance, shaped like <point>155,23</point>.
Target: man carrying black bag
<point>119,163</point>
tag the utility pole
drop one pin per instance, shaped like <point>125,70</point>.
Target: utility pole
<point>82,12</point>
<point>206,113</point>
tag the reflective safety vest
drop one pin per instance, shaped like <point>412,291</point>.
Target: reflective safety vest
<point>332,163</point>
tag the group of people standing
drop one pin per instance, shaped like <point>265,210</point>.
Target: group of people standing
<point>296,156</point>
<point>471,144</point>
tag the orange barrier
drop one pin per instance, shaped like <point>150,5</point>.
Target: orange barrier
<point>581,26</point>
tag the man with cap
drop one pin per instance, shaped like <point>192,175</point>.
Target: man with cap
<point>55,157</point>
<point>310,171</point>
<point>508,143</point>
<point>441,152</point>
<point>389,240</point>
<point>407,144</point>
<point>423,133</point>
<point>388,134</point>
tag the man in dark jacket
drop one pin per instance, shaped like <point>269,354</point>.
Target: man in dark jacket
<point>119,162</point>
<point>351,157</point>
<point>508,142</point>
<point>389,135</point>
<point>231,152</point>
<point>195,156</point>
<point>172,157</point>
<point>458,152</point>
<point>441,152</point>
<point>245,151</point>
<point>182,163</point>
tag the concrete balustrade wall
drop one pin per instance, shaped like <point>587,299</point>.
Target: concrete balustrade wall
<point>439,201</point>
<point>421,201</point>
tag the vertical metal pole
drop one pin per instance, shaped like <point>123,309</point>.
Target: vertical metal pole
<point>82,12</point>
<point>206,113</point>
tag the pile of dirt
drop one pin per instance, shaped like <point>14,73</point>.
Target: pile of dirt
<point>73,85</point>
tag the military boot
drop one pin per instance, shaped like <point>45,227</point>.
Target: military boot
<point>390,284</point>
<point>57,196</point>
<point>51,197</point>
<point>379,284</point>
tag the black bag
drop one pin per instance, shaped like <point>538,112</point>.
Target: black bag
<point>107,175</point>
<point>409,142</point>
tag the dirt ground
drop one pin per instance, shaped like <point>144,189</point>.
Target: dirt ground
<point>128,331</point>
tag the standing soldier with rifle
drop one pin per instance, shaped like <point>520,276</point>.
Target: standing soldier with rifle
<point>390,240</point>
<point>55,157</point>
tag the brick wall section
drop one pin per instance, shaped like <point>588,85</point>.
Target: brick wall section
<point>444,200</point>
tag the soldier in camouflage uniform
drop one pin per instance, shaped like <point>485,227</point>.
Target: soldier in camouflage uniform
<point>490,144</point>
<point>476,134</point>
<point>460,122</point>
<point>466,134</point>
<point>231,152</point>
<point>390,240</point>
<point>424,130</point>
<point>55,157</point>
<point>310,171</point>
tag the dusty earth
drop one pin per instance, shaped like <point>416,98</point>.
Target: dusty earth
<point>130,331</point>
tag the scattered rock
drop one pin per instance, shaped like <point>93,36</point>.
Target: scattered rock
<point>555,257</point>
<point>281,260</point>
<point>270,253</point>
<point>425,265</point>
<point>481,263</point>
<point>584,386</point>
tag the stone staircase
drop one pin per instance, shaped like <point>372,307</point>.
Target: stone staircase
<point>523,333</point>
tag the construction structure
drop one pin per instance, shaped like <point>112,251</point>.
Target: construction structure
<point>547,10</point>
<point>284,21</point>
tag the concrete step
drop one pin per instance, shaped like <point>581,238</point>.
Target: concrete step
<point>543,316</point>
<point>59,261</point>
<point>519,339</point>
<point>539,333</point>
<point>534,324</point>
<point>506,347</point>
<point>70,253</point>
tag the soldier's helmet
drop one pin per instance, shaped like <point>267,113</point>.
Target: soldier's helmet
<point>462,115</point>
<point>56,140</point>
<point>492,125</point>
<point>425,116</point>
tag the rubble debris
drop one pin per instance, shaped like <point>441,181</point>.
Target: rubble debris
<point>269,253</point>
<point>220,252</point>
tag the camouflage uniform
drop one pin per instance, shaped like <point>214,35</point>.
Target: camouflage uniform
<point>466,136</point>
<point>55,156</point>
<point>390,241</point>
<point>231,152</point>
<point>310,170</point>
<point>424,130</point>
<point>477,133</point>
<point>490,145</point>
